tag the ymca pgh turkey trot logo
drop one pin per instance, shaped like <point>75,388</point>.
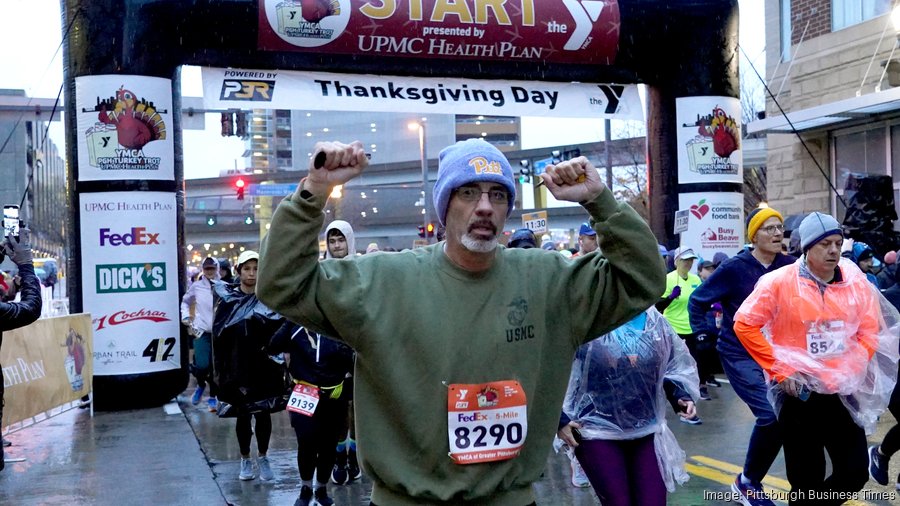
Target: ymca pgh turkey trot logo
<point>717,138</point>
<point>125,124</point>
<point>308,23</point>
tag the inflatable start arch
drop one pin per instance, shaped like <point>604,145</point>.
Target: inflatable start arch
<point>122,60</point>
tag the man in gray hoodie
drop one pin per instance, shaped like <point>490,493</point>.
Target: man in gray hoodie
<point>340,242</point>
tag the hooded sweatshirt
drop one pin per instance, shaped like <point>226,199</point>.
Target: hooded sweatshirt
<point>729,285</point>
<point>200,293</point>
<point>344,228</point>
<point>863,250</point>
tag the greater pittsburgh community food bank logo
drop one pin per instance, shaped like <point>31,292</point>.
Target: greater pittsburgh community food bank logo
<point>700,209</point>
<point>308,23</point>
<point>720,232</point>
<point>718,136</point>
<point>125,124</point>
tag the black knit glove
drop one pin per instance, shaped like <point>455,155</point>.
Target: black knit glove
<point>19,251</point>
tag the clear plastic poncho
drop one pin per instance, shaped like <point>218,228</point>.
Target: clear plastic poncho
<point>838,338</point>
<point>616,387</point>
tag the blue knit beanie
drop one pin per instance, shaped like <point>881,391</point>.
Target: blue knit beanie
<point>470,161</point>
<point>816,227</point>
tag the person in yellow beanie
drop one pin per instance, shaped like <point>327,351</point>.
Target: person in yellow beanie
<point>729,285</point>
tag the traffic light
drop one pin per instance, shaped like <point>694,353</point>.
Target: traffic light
<point>227,124</point>
<point>426,230</point>
<point>525,172</point>
<point>211,220</point>
<point>248,220</point>
<point>574,153</point>
<point>239,186</point>
<point>240,124</point>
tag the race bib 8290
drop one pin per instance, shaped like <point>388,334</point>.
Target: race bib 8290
<point>486,422</point>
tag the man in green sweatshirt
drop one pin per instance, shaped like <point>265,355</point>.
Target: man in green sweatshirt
<point>463,347</point>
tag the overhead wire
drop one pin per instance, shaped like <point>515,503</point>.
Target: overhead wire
<point>794,129</point>
<point>52,112</point>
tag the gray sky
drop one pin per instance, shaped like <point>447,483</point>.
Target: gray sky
<point>30,34</point>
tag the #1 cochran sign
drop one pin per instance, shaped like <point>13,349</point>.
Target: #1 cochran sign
<point>570,31</point>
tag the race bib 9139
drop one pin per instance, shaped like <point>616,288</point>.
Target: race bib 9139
<point>304,400</point>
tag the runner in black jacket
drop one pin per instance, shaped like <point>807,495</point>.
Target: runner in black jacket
<point>319,366</point>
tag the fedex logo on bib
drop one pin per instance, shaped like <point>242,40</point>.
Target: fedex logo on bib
<point>486,422</point>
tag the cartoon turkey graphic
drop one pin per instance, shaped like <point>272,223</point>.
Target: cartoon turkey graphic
<point>314,11</point>
<point>137,123</point>
<point>724,132</point>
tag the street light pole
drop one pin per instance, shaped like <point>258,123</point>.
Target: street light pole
<point>420,126</point>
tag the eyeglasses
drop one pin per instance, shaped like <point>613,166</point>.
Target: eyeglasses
<point>772,229</point>
<point>473,194</point>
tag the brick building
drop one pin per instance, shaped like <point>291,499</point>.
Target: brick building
<point>832,66</point>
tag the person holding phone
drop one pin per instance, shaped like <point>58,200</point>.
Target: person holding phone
<point>11,221</point>
<point>19,314</point>
<point>613,415</point>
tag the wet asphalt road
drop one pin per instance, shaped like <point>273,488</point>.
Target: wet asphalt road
<point>191,457</point>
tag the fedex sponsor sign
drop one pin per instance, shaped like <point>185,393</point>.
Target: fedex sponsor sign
<point>138,236</point>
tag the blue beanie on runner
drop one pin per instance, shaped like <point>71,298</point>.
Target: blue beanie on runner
<point>470,161</point>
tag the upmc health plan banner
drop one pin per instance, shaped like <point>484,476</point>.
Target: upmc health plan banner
<point>130,280</point>
<point>584,32</point>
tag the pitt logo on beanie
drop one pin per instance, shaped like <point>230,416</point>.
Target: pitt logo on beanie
<point>470,161</point>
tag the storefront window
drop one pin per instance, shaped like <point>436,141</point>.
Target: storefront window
<point>861,153</point>
<point>845,13</point>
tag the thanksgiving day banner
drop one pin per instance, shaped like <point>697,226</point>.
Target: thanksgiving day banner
<point>325,91</point>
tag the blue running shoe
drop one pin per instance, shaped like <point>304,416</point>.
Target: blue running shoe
<point>306,497</point>
<point>198,393</point>
<point>878,465</point>
<point>750,495</point>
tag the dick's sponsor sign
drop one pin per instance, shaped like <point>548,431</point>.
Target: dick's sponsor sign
<point>127,278</point>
